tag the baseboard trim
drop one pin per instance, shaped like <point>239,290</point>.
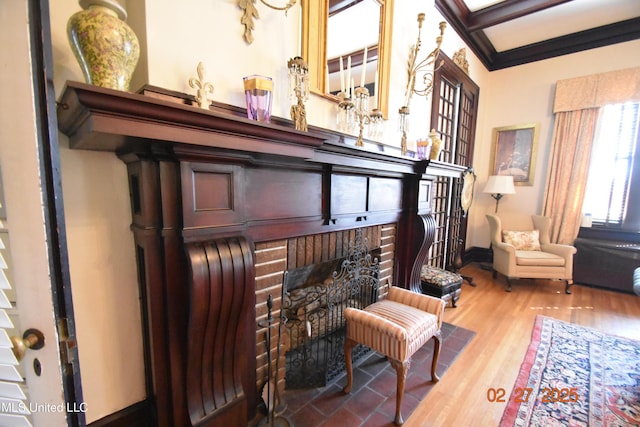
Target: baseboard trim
<point>137,415</point>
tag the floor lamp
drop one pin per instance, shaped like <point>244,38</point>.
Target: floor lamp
<point>498,186</point>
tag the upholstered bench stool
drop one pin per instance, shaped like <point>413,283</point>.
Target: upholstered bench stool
<point>397,327</point>
<point>441,283</point>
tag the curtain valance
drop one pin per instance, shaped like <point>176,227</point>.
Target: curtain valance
<point>596,90</point>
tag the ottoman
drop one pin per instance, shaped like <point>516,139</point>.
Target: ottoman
<point>441,283</point>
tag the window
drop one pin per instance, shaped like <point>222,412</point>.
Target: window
<point>613,188</point>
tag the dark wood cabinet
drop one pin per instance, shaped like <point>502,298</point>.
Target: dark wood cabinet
<point>207,186</point>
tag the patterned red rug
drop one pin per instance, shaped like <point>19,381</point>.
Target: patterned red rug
<point>575,376</point>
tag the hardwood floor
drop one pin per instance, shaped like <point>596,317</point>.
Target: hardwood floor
<point>503,323</point>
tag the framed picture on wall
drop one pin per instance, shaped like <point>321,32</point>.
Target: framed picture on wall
<point>514,152</point>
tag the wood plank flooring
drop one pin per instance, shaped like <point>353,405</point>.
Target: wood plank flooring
<point>503,323</point>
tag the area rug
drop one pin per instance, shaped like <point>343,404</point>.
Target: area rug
<point>373,396</point>
<point>576,376</point>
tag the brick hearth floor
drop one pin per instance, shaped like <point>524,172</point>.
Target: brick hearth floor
<point>373,397</point>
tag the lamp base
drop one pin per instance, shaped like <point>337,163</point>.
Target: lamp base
<point>497,196</point>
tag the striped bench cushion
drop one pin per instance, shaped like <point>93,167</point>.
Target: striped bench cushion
<point>392,328</point>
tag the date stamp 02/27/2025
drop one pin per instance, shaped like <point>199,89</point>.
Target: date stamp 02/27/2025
<point>546,395</point>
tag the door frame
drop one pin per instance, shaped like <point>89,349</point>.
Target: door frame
<point>53,209</point>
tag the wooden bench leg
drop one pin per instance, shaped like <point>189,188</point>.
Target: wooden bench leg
<point>401,371</point>
<point>348,346</point>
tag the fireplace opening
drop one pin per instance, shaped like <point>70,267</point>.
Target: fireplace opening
<point>314,299</point>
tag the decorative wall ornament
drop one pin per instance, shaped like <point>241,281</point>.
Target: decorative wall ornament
<point>460,59</point>
<point>203,88</point>
<point>424,69</point>
<point>250,12</point>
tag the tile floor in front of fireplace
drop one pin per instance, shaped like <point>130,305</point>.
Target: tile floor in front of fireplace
<point>373,397</point>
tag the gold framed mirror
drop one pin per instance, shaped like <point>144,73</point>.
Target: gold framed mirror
<point>324,69</point>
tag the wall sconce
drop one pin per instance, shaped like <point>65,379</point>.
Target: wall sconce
<point>426,70</point>
<point>498,186</point>
<point>403,127</point>
<point>249,12</point>
<point>299,91</point>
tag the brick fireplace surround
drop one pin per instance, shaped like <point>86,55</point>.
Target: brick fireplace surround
<point>273,258</point>
<point>221,207</point>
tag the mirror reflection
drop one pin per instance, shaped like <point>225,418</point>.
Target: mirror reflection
<point>346,69</point>
<point>332,29</point>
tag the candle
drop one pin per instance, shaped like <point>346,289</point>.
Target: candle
<point>353,93</point>
<point>328,82</point>
<point>375,86</point>
<point>341,75</point>
<point>348,81</point>
<point>364,68</point>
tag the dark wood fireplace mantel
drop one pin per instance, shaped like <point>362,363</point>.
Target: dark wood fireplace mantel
<point>205,186</point>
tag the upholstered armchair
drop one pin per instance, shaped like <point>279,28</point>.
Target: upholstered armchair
<point>522,249</point>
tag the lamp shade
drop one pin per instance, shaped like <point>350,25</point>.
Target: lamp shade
<point>500,184</point>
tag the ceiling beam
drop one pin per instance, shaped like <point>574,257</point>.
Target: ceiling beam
<point>506,11</point>
<point>462,20</point>
<point>589,39</point>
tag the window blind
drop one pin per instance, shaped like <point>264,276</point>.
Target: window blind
<point>14,406</point>
<point>612,163</point>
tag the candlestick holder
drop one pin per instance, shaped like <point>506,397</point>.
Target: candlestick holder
<point>375,123</point>
<point>299,91</point>
<point>346,117</point>
<point>361,112</point>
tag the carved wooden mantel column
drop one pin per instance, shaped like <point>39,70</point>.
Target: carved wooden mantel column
<point>206,185</point>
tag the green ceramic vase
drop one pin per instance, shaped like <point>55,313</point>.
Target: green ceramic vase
<point>104,45</point>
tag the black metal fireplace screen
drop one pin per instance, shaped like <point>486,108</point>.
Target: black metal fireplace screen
<point>314,299</point>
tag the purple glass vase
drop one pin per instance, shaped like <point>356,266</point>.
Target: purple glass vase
<point>258,93</point>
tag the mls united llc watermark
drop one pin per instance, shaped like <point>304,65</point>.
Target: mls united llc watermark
<point>18,407</point>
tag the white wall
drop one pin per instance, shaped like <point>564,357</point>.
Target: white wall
<point>175,36</point>
<point>101,257</point>
<point>524,94</point>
